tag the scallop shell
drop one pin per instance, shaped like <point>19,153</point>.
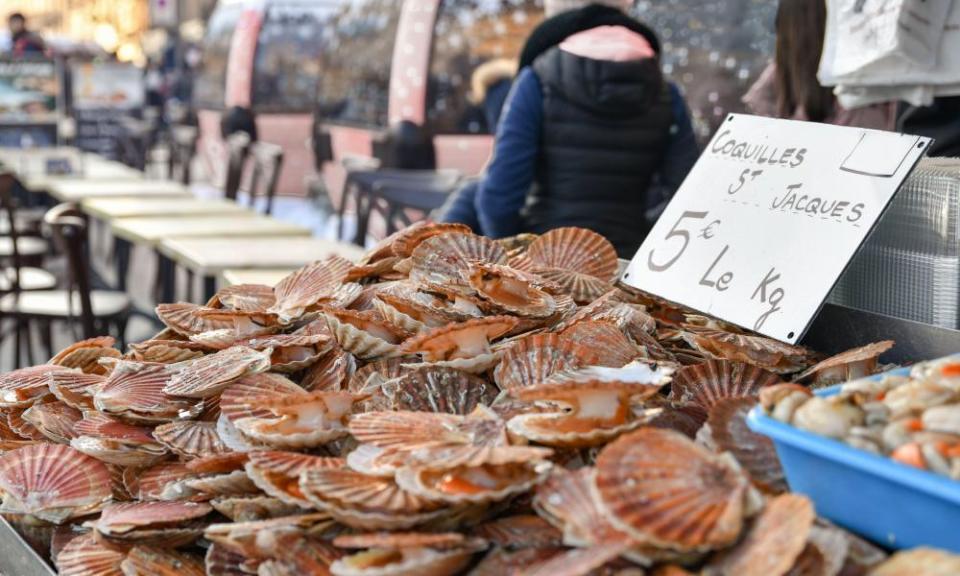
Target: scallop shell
<point>698,388</point>
<point>86,556</point>
<point>23,387</point>
<point>583,288</point>
<point>219,561</point>
<point>364,334</point>
<point>166,351</point>
<point>300,420</point>
<point>233,484</point>
<point>579,560</point>
<point>146,561</point>
<point>120,520</point>
<point>118,453</point>
<point>331,372</point>
<point>55,420</point>
<point>763,352</point>
<point>704,508</point>
<point>210,375</point>
<point>438,477</point>
<point>505,561</point>
<point>75,389</point>
<point>149,483</point>
<point>247,297</point>
<point>241,399</point>
<point>278,473</point>
<point>135,390</point>
<point>522,530</point>
<point>774,541</point>
<point>190,439</point>
<point>440,259</point>
<point>611,346</point>
<point>305,287</point>
<point>568,501</point>
<point>438,389</point>
<point>510,289</point>
<point>534,359</point>
<point>86,353</point>
<point>52,482</point>
<point>183,319</point>
<point>463,340</point>
<point>919,561</point>
<point>253,508</point>
<point>846,366</point>
<point>349,489</point>
<point>102,426</point>
<point>219,463</point>
<point>265,538</point>
<point>384,369</point>
<point>408,431</point>
<point>755,452</point>
<point>401,244</point>
<point>575,249</point>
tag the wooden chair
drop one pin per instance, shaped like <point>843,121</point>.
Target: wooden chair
<point>395,199</point>
<point>17,250</point>
<point>238,147</point>
<point>183,148</point>
<point>267,163</point>
<point>95,311</point>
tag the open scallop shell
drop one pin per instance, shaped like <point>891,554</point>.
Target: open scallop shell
<point>52,482</point>
<point>364,334</point>
<point>410,554</point>
<point>253,508</point>
<point>763,352</point>
<point>247,297</point>
<point>846,366</point>
<point>147,561</point>
<point>278,473</point>
<point>583,288</point>
<point>85,354</point>
<point>23,387</point>
<point>189,319</point>
<point>704,508</point>
<point>439,259</point>
<point>534,359</point>
<point>87,556</point>
<point>464,340</point>
<point>755,452</point>
<point>75,389</point>
<point>698,388</point>
<point>232,484</point>
<point>300,420</point>
<point>266,538</point>
<point>55,420</point>
<point>135,391</point>
<point>919,561</point>
<point>568,501</point>
<point>521,530</point>
<point>302,289</point>
<point>116,442</point>
<point>210,375</point>
<point>331,372</point>
<point>401,244</point>
<point>166,351</point>
<point>489,475</point>
<point>242,398</point>
<point>773,543</point>
<point>190,439</point>
<point>351,489</point>
<point>147,484</point>
<point>575,249</point>
<point>439,389</point>
<point>510,289</point>
<point>408,431</point>
<point>220,561</point>
<point>120,520</point>
<point>610,345</point>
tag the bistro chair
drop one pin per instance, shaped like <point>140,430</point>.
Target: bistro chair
<point>183,148</point>
<point>267,163</point>
<point>20,254</point>
<point>238,148</point>
<point>78,304</point>
<point>394,200</point>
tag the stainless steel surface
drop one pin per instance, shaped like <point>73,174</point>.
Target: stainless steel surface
<point>910,266</point>
<point>17,558</point>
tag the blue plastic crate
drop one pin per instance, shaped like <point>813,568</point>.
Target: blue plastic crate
<point>895,505</point>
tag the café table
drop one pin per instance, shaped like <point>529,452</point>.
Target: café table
<point>77,190</point>
<point>263,277</point>
<point>209,257</point>
<point>112,208</point>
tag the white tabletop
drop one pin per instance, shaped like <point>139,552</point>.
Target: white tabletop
<point>211,256</point>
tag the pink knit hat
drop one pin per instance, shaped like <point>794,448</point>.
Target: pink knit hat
<point>554,7</point>
<point>612,43</point>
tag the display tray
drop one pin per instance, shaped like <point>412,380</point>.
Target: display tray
<point>17,558</point>
<point>892,504</point>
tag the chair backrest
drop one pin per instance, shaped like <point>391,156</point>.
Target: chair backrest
<point>267,163</point>
<point>9,207</point>
<point>183,147</point>
<point>238,147</point>
<point>68,227</point>
<point>406,146</point>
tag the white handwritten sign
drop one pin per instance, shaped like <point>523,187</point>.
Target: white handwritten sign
<point>768,219</point>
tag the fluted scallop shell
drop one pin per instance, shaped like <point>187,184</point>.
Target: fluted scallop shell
<point>754,452</point>
<point>704,508</point>
<point>220,561</point>
<point>430,554</point>
<point>439,259</point>
<point>219,463</point>
<point>562,431</point>
<point>576,249</point>
<point>120,519</point>
<point>150,483</point>
<point>512,290</point>
<point>183,318</point>
<point>304,288</point>
<point>166,351</point>
<point>534,359</point>
<point>583,288</point>
<point>231,484</point>
<point>241,399</point>
<point>919,561</point>
<point>253,508</point>
<point>332,372</point>
<point>278,473</point>
<point>23,387</point>
<point>75,389</point>
<point>148,561</point>
<point>521,530</point>
<point>438,389</point>
<point>247,297</point>
<point>190,439</point>
<point>85,354</point>
<point>408,431</point>
<point>53,482</point>
<point>462,340</point>
<point>392,313</point>
<point>503,560</point>
<point>698,388</point>
<point>610,345</point>
<point>265,538</point>
<point>118,453</point>
<point>363,334</point>
<point>87,556</point>
<point>300,420</point>
<point>763,352</point>
<point>21,427</point>
<point>384,369</point>
<point>102,426</point>
<point>55,420</point>
<point>846,366</point>
<point>135,390</point>
<point>568,501</point>
<point>773,543</point>
<point>402,243</point>
<point>211,374</point>
<point>351,489</point>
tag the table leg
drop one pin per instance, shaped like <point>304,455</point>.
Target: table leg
<point>121,258</point>
<point>168,287</point>
<point>209,288</point>
<point>190,285</point>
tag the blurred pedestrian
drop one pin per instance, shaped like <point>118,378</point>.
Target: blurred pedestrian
<point>788,87</point>
<point>587,133</point>
<point>23,41</point>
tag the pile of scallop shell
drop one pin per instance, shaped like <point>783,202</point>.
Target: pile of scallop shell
<point>450,404</point>
<point>913,418</point>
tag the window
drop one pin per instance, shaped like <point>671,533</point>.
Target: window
<point>468,34</point>
<point>713,49</point>
<point>211,81</point>
<point>354,84</point>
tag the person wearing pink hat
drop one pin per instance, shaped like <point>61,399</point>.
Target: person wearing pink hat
<point>592,134</point>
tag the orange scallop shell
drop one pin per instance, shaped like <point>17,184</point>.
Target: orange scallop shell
<point>150,483</point>
<point>403,243</point>
<point>252,508</point>
<point>534,359</point>
<point>278,473</point>
<point>763,352</point>
<point>385,369</point>
<point>240,399</point>
<point>513,290</point>
<point>135,391</point>
<point>166,351</point>
<point>53,482</point>
<point>364,334</point>
<point>576,249</point>
<point>698,388</point>
<point>439,259</point>
<point>351,489</point>
<point>568,501</point>
<point>75,388</point>
<point>232,484</point>
<point>289,426</point>
<point>408,431</point>
<point>919,561</point>
<point>332,372</point>
<point>220,561</point>
<point>183,319</point>
<point>190,439</point>
<point>755,452</point>
<point>439,389</point>
<point>247,297</point>
<point>87,556</point>
<point>704,508</point>
<point>55,420</point>
<point>579,560</point>
<point>20,388</point>
<point>120,519</point>
<point>774,542</point>
<point>451,341</point>
<point>85,354</point>
<point>583,288</point>
<point>610,345</point>
<point>307,286</point>
<point>211,374</point>
<point>521,530</point>
<point>846,366</point>
<point>502,560</point>
<point>147,561</point>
